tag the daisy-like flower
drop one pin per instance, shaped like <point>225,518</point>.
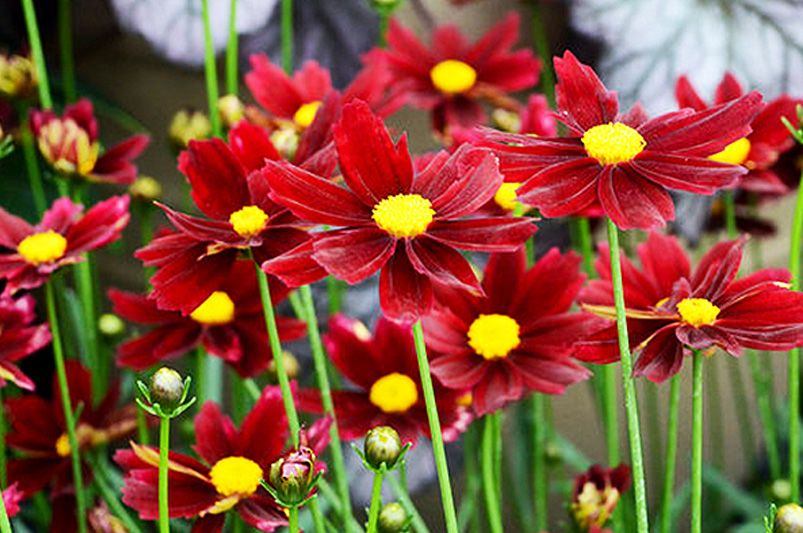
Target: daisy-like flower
<point>453,76</point>
<point>228,477</point>
<point>69,143</point>
<point>516,338</point>
<point>596,494</point>
<point>384,370</point>
<point>19,338</point>
<point>403,222</point>
<point>759,151</point>
<point>671,308</point>
<point>38,432</point>
<point>65,233</point>
<point>621,163</point>
<point>229,324</point>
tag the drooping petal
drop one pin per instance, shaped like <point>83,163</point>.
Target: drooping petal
<point>661,357</point>
<point>441,263</point>
<point>633,202</point>
<point>404,294</point>
<point>353,255</point>
<point>563,188</point>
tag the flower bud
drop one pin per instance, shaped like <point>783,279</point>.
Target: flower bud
<point>292,476</point>
<point>789,519</point>
<point>167,387</point>
<point>382,445</point>
<point>110,325</point>
<point>506,120</point>
<point>291,367</point>
<point>231,109</point>
<point>285,140</point>
<point>17,76</point>
<point>781,490</point>
<point>188,125</point>
<point>393,519</point>
<point>145,188</point>
<point>596,495</point>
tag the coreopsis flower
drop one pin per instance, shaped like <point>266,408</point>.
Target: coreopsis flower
<point>671,308</point>
<point>387,385</point>
<point>453,76</point>
<point>759,151</point>
<point>596,494</point>
<point>39,435</point>
<point>19,338</point>
<point>69,143</point>
<point>514,339</point>
<point>407,224</point>
<point>229,324</point>
<point>65,233</point>
<point>233,461</point>
<point>17,77</point>
<point>621,163</point>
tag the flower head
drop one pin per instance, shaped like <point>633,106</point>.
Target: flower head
<point>596,494</point>
<point>17,76</point>
<point>19,338</point>
<point>292,475</point>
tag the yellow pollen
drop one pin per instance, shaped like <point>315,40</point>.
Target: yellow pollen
<point>453,76</point>
<point>404,215</point>
<point>305,114</point>
<point>697,312</point>
<point>493,336</point>
<point>735,153</point>
<point>216,310</point>
<point>505,196</point>
<point>63,445</point>
<point>249,221</point>
<point>236,475</point>
<point>44,247</point>
<point>394,393</point>
<point>613,143</point>
<point>465,400</point>
<point>661,302</point>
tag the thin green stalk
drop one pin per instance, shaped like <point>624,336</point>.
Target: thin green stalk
<point>541,42</point>
<point>384,18</point>
<point>697,444</point>
<point>112,499</point>
<point>671,455</point>
<point>231,50</point>
<point>32,163</point>
<point>5,524</point>
<point>164,447</point>
<point>766,414</point>
<point>142,428</point>
<point>34,41</point>
<point>237,396</point>
<point>86,292</point>
<point>497,455</point>
<point>404,498</point>
<point>488,476</point>
<point>468,514</point>
<point>287,35</point>
<point>214,379</point>
<point>237,525</point>
<point>447,500</point>
<point>649,391</point>
<point>334,292</point>
<point>730,214</point>
<point>376,501</point>
<point>66,50</point>
<point>317,515</point>
<point>69,415</point>
<point>793,372</point>
<point>210,71</point>
<point>715,428</point>
<point>540,483</point>
<point>292,519</point>
<point>322,380</point>
<point>631,402</point>
<point>199,379</point>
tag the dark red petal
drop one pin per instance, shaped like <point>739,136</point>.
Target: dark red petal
<point>166,342</point>
<point>404,294</point>
<point>139,308</point>
<point>661,357</point>
<point>115,166</point>
<point>581,96</point>
<point>502,384</point>
<point>503,276</point>
<point>352,352</point>
<point>13,229</point>
<point>692,174</point>
<point>61,216</point>
<point>251,145</point>
<point>664,262</point>
<point>296,267</point>
<point>514,71</point>
<point>264,429</point>
<point>459,371</point>
<point>687,96</point>
<point>353,255</point>
<point>548,376</point>
<point>272,88</point>
<point>549,287</point>
<point>717,269</point>
<point>476,178</point>
<point>728,89</point>
<point>564,188</point>
<point>217,178</point>
<point>261,513</point>
<point>214,434</point>
<point>633,202</point>
<point>441,263</point>
<point>707,336</point>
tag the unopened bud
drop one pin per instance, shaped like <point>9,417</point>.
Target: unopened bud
<point>166,388</point>
<point>393,519</point>
<point>382,445</point>
<point>292,476</point>
<point>146,188</point>
<point>231,109</point>
<point>188,125</point>
<point>291,367</point>
<point>110,325</point>
<point>506,120</point>
<point>781,490</point>
<point>789,519</point>
<point>285,140</point>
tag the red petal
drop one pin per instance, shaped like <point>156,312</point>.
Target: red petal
<point>633,202</point>
<point>662,357</point>
<point>353,255</point>
<point>693,174</point>
<point>459,371</point>
<point>217,178</point>
<point>500,386</point>
<point>215,434</point>
<point>13,229</point>
<point>102,224</point>
<point>251,144</point>
<point>351,352</point>
<point>476,178</point>
<point>687,96</point>
<point>272,88</point>
<point>491,234</point>
<point>404,294</point>
<point>296,267</point>
<point>115,166</point>
<point>264,429</point>
<point>563,188</point>
<point>581,96</point>
<point>441,263</point>
<point>728,89</point>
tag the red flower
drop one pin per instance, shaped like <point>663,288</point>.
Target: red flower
<point>596,494</point>
<point>70,144</point>
<point>384,369</point>
<point>515,339</point>
<point>621,163</point>
<point>234,461</point>
<point>63,235</point>
<point>393,218</point>
<point>19,338</point>
<point>670,308</point>
<point>453,76</point>
<point>39,434</point>
<point>229,324</point>
<point>759,151</point>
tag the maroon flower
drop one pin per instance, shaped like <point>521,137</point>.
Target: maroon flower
<point>596,494</point>
<point>19,338</point>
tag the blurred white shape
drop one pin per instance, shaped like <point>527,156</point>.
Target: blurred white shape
<point>175,27</point>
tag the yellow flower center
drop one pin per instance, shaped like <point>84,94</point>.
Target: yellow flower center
<point>453,76</point>
<point>394,393</point>
<point>735,153</point>
<point>505,196</point>
<point>493,336</point>
<point>404,215</point>
<point>249,221</point>
<point>305,114</point>
<point>63,445</point>
<point>697,312</point>
<point>67,147</point>
<point>44,247</point>
<point>216,310</point>
<point>235,475</point>
<point>613,143</point>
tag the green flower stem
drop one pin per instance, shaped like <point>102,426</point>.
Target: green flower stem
<point>404,498</point>
<point>278,357</point>
<point>730,214</point>
<point>488,475</point>
<point>540,483</point>
<point>670,458</point>
<point>231,51</point>
<point>210,71</point>
<point>199,378</point>
<point>287,35</point>
<point>317,516</point>
<point>164,448</point>
<point>5,524</point>
<point>541,42</point>
<point>376,501</point>
<point>334,292</point>
<point>697,444</point>
<point>631,402</point>
<point>654,421</point>
<point>214,378</point>
<point>34,41</point>
<point>322,379</point>
<point>384,19</point>
<point>112,499</point>
<point>468,513</point>
<point>66,50</point>
<point>714,427</point>
<point>292,519</point>
<point>69,415</point>
<point>32,162</point>
<point>793,371</point>
<point>142,428</point>
<point>447,500</point>
<point>765,413</point>
<point>238,399</point>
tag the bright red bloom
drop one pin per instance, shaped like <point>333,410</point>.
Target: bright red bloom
<point>403,222</point>
<point>596,494</point>
<point>229,325</point>
<point>515,339</point>
<point>384,369</point>
<point>621,163</point>
<point>234,461</point>
<point>453,76</point>
<point>671,308</point>
<point>759,151</point>
<point>70,144</point>
<point>39,434</point>
<point>19,338</point>
<point>61,238</point>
